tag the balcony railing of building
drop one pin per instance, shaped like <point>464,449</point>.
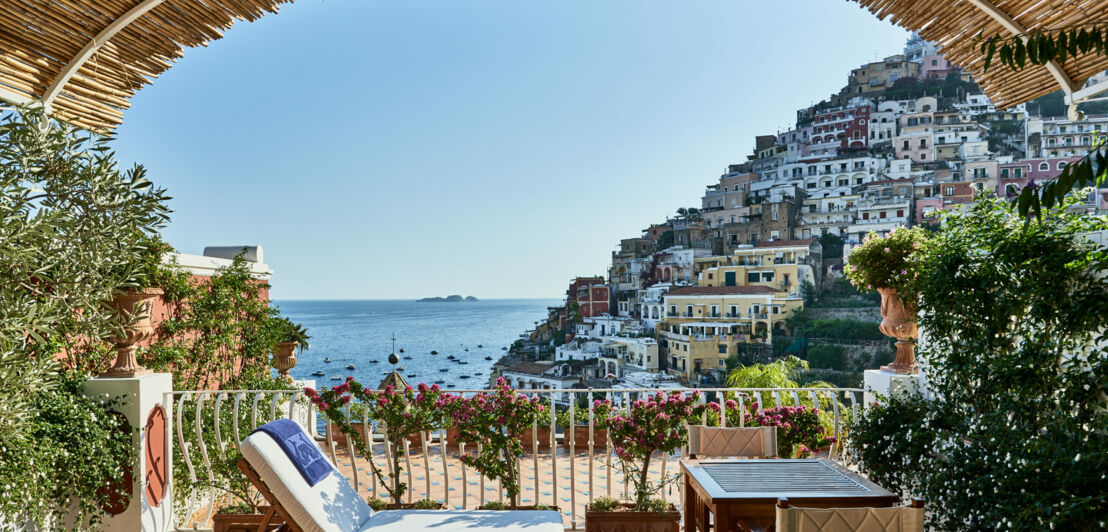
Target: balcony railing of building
<point>431,467</point>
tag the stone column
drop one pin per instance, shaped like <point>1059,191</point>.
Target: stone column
<point>150,508</point>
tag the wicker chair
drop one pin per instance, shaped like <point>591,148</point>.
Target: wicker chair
<point>896,519</point>
<point>732,442</point>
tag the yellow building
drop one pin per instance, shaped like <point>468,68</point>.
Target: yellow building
<point>782,265</point>
<point>705,324</point>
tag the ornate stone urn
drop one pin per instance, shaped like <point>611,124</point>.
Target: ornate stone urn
<point>898,320</point>
<point>126,306</point>
<point>284,358</point>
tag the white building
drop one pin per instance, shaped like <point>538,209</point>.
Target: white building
<point>538,376</point>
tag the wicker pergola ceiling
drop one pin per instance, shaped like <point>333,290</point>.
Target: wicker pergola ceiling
<point>85,59</point>
<point>953,24</point>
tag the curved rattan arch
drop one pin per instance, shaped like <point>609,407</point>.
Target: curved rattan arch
<point>85,59</point>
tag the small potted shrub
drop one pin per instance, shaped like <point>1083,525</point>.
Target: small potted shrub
<point>400,413</point>
<point>601,411</point>
<point>289,337</point>
<point>496,421</point>
<point>800,433</point>
<point>655,424</point>
<point>542,421</point>
<point>888,264</point>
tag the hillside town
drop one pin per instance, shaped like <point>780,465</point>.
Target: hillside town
<point>905,139</point>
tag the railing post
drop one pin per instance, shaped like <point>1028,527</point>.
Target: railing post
<point>150,508</point>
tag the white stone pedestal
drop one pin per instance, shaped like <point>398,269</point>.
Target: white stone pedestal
<point>888,384</point>
<point>142,405</point>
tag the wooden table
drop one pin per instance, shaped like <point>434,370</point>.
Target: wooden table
<point>738,489</point>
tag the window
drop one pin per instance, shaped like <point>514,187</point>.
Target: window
<point>1004,173</point>
<point>865,216</point>
<point>1017,172</point>
<point>1050,142</point>
<point>923,143</point>
<point>767,277</point>
<point>884,215</point>
<point>906,146</point>
<point>900,213</point>
<point>752,277</point>
<point>1043,167</point>
<point>688,310</point>
<point>733,311</point>
<point>723,349</point>
<point>673,310</point>
<point>1061,165</point>
<point>949,191</point>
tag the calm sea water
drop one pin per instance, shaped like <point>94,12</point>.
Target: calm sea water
<point>358,332</point>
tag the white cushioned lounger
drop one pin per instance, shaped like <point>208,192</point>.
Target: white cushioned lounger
<point>332,505</point>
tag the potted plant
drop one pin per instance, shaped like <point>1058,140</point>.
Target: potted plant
<point>655,424</point>
<point>542,434</point>
<point>887,264</point>
<point>289,337</point>
<point>399,413</point>
<point>799,429</point>
<point>579,431</point>
<point>496,421</point>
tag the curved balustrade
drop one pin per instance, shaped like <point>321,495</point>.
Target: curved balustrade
<point>567,468</point>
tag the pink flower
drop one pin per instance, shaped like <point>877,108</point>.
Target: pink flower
<point>886,250</point>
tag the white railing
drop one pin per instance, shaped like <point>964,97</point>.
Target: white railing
<point>568,468</point>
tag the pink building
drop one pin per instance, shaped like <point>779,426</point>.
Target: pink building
<point>936,67</point>
<point>1015,175</point>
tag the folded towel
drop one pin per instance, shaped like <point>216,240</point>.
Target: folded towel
<point>301,450</point>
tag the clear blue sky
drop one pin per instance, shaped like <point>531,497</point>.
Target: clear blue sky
<point>408,148</point>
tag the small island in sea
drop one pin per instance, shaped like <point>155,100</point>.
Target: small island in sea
<point>447,299</point>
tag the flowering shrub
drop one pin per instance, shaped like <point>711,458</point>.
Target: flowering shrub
<point>601,411</point>
<point>496,421</point>
<point>654,424</point>
<point>885,261</point>
<point>401,413</point>
<point>735,417</point>
<point>797,427</point>
<point>1015,312</point>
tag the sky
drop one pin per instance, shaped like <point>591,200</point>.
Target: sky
<point>400,149</point>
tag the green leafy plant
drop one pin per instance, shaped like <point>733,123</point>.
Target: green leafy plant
<point>284,330</point>
<point>601,411</point>
<point>68,456</point>
<point>1044,46</point>
<point>401,413</point>
<point>654,424</point>
<point>885,261</point>
<point>604,504</point>
<point>495,505</point>
<point>494,422</point>
<point>427,504</point>
<point>376,504</point>
<point>1015,313</point>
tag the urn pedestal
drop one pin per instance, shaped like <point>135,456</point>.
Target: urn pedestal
<point>898,320</point>
<point>127,306</point>
<point>284,358</point>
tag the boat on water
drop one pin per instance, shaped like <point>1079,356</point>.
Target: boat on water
<point>479,345</point>
<point>503,348</point>
<point>440,382</point>
<point>411,375</point>
<point>350,366</point>
<point>318,373</point>
<point>400,368</point>
<point>433,352</point>
<point>336,378</point>
<point>328,359</point>
<point>488,358</point>
<point>401,349</point>
<point>463,376</point>
<point>444,370</point>
<point>449,356</point>
<point>449,385</point>
<point>463,362</point>
<point>407,358</point>
<point>373,362</point>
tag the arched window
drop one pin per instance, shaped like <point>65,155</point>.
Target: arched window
<point>1061,165</point>
<point>1043,167</point>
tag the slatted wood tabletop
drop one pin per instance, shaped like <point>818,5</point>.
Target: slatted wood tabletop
<point>738,489</point>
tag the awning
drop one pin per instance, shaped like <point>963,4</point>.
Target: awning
<point>953,25</point>
<point>85,59</point>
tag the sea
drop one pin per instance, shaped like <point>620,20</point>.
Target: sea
<point>359,333</point>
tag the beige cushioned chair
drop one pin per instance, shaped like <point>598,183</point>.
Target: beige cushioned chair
<point>897,519</point>
<point>745,442</point>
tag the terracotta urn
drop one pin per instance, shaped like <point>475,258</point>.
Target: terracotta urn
<point>284,358</point>
<point>127,306</point>
<point>898,320</point>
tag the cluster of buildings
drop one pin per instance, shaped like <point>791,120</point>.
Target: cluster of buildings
<point>906,138</point>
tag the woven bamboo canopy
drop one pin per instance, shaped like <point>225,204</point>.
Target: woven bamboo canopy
<point>953,24</point>
<point>84,59</point>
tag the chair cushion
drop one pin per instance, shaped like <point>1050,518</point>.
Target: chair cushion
<point>332,505</point>
<point>467,520</point>
<point>733,441</point>
<point>902,519</point>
